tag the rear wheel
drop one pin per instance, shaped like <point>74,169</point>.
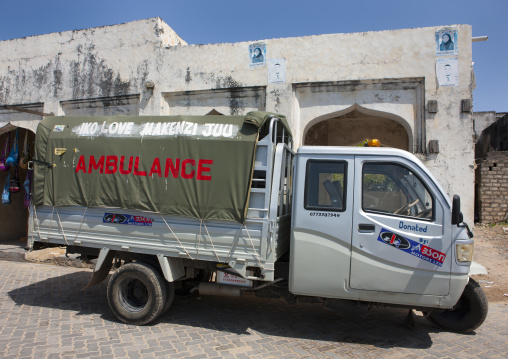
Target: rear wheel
<point>136,293</point>
<point>465,316</point>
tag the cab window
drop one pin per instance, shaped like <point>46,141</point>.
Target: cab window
<point>395,190</point>
<point>325,185</point>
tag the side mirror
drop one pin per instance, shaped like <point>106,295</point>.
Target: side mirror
<point>457,216</point>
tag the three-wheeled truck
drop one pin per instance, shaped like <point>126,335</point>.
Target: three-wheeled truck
<point>221,205</point>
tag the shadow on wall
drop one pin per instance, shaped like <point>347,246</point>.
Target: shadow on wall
<point>493,138</point>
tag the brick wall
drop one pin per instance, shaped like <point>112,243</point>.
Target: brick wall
<point>494,187</point>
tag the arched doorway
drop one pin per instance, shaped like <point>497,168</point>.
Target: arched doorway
<point>351,127</point>
<point>14,223</point>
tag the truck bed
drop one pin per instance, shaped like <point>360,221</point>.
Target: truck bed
<point>240,246</point>
<point>256,244</point>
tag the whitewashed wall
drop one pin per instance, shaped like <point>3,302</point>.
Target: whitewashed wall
<point>391,74</point>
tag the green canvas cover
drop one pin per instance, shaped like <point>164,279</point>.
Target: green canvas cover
<point>260,120</point>
<point>194,166</point>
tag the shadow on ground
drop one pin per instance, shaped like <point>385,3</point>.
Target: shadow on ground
<point>381,328</point>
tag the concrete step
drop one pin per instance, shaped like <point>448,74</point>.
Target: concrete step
<point>15,250</point>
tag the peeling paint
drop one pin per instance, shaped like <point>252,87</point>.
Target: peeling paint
<point>4,89</point>
<point>91,77</point>
<point>236,104</point>
<point>227,82</point>
<point>159,30</point>
<point>57,77</point>
<point>276,95</point>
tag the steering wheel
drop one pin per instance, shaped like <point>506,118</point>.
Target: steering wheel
<point>425,214</point>
<point>407,207</point>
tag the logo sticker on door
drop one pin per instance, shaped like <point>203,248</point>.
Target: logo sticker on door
<point>414,248</point>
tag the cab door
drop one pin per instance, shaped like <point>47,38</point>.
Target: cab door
<point>321,225</point>
<point>400,242</point>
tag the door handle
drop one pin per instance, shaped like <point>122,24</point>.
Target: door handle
<point>363,227</point>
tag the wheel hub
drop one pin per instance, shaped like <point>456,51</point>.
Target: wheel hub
<point>135,293</point>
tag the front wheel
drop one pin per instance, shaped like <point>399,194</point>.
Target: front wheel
<point>136,293</point>
<point>467,315</point>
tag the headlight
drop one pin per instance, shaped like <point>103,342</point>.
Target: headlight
<point>464,252</point>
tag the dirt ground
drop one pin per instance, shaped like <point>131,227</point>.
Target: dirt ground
<point>491,251</point>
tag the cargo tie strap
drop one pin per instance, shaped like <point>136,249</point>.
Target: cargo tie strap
<point>256,255</point>
<point>47,164</point>
<point>36,221</point>
<point>50,223</point>
<point>210,238</point>
<point>61,227</point>
<point>174,235</point>
<point>203,224</point>
<point>60,223</point>
<point>237,237</point>
<point>81,224</point>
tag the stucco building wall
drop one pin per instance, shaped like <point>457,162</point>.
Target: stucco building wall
<point>389,75</point>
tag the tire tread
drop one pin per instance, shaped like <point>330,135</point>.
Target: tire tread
<point>472,319</point>
<point>155,285</point>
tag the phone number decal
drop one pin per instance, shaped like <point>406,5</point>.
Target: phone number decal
<point>324,214</point>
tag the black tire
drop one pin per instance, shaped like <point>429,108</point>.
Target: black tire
<point>170,296</point>
<point>136,293</point>
<point>465,316</point>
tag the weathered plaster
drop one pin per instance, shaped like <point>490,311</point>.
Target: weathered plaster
<point>100,62</point>
<point>387,74</point>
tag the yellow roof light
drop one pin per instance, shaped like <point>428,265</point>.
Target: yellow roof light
<point>373,143</point>
<point>369,143</point>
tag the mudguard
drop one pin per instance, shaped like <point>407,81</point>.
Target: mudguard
<point>102,268</point>
<point>477,268</point>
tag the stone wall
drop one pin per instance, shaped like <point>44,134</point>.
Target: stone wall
<point>494,187</point>
<point>491,176</point>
